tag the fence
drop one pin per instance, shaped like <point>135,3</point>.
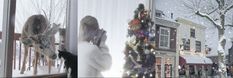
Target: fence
<point>18,54</point>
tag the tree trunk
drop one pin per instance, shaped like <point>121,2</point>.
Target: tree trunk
<point>222,42</point>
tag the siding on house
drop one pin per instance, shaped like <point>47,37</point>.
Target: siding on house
<point>185,33</point>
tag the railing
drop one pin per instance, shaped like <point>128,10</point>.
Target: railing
<point>18,54</point>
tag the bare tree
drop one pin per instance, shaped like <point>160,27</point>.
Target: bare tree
<point>54,10</point>
<point>217,12</point>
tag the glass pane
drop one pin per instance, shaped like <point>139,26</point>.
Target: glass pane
<point>162,38</point>
<point>36,18</point>
<point>166,32</point>
<point>166,44</point>
<point>162,31</point>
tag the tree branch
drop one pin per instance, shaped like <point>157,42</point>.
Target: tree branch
<point>228,8</point>
<point>212,11</point>
<point>229,25</point>
<point>209,18</point>
<point>188,6</point>
<point>218,3</point>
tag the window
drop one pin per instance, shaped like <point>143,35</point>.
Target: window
<point>164,38</point>
<point>56,12</point>
<point>198,46</point>
<point>192,33</point>
<point>158,14</point>
<point>186,44</point>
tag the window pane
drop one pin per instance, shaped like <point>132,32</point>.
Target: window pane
<point>192,33</point>
<point>166,44</point>
<point>198,46</point>
<point>39,11</point>
<point>166,32</point>
<point>186,44</point>
<point>164,37</point>
<point>162,31</point>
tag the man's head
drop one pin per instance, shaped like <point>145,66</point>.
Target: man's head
<point>88,28</point>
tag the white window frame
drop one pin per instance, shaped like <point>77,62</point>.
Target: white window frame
<point>168,29</point>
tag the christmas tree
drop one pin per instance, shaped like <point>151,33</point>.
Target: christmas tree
<point>139,50</point>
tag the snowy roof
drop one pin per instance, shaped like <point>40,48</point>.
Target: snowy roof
<point>168,23</point>
<point>194,59</point>
<point>189,22</point>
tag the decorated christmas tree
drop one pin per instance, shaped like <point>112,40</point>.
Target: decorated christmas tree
<point>139,50</point>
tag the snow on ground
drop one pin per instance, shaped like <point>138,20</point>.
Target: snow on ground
<point>42,70</point>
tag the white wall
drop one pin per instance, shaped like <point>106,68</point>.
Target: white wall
<point>184,32</point>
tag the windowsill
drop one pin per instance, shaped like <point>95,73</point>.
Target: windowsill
<point>60,75</point>
<point>164,47</point>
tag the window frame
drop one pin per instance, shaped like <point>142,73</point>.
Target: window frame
<point>8,27</point>
<point>167,29</point>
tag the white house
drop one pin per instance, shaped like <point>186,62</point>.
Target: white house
<point>191,41</point>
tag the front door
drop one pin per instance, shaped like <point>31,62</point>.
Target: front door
<point>168,67</point>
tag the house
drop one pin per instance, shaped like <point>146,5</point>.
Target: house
<point>192,51</point>
<point>166,51</point>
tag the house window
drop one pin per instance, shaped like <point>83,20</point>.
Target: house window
<point>164,41</point>
<point>158,14</point>
<point>186,44</point>
<point>198,46</point>
<point>192,32</point>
